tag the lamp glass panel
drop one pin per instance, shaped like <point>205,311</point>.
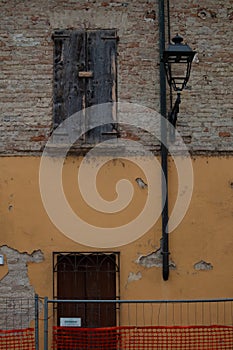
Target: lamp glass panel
<point>178,70</point>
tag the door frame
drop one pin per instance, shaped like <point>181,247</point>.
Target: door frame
<point>57,255</point>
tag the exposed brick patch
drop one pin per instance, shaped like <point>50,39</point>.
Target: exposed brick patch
<point>38,138</point>
<point>224,134</point>
<point>128,135</point>
<point>16,281</point>
<point>16,285</point>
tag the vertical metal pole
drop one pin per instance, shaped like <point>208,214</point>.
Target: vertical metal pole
<point>164,150</point>
<point>168,22</point>
<point>45,323</point>
<point>36,321</point>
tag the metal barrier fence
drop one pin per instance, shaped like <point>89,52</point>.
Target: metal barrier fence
<point>155,324</point>
<point>19,323</point>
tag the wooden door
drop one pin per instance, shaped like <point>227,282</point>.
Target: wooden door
<point>85,75</point>
<point>87,277</point>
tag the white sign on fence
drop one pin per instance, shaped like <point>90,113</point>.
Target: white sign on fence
<point>70,321</point>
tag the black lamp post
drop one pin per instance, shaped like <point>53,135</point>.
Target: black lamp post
<point>177,61</point>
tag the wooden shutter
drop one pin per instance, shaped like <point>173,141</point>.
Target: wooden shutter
<point>85,75</point>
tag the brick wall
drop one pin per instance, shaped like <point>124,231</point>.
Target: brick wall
<point>26,78</point>
<point>207,110</point>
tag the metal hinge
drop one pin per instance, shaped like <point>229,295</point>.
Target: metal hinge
<point>60,35</point>
<point>114,132</point>
<point>110,38</point>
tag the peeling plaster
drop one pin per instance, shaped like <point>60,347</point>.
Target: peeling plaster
<point>153,259</point>
<point>16,292</point>
<point>134,276</point>
<point>141,183</point>
<point>16,282</point>
<point>203,266</point>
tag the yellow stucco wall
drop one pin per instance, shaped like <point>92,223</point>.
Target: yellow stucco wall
<point>204,234</point>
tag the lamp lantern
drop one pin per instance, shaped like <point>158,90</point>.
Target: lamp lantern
<point>177,61</point>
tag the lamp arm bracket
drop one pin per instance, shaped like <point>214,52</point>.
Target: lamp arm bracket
<point>172,116</point>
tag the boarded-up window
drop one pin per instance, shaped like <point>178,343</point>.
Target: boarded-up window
<point>85,75</point>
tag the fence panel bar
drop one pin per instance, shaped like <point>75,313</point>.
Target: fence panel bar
<point>140,301</point>
<point>45,323</point>
<point>36,321</point>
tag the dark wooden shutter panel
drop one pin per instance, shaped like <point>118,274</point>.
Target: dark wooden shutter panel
<point>85,51</point>
<point>101,51</point>
<point>68,90</point>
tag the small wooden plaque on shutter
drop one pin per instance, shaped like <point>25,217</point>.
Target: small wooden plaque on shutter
<point>85,74</point>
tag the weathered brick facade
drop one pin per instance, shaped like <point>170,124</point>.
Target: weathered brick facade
<point>26,82</point>
<point>207,110</point>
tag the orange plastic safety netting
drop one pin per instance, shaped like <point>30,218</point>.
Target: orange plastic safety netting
<point>145,338</point>
<point>17,339</point>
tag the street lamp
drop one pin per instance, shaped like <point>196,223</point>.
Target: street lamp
<point>177,61</point>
